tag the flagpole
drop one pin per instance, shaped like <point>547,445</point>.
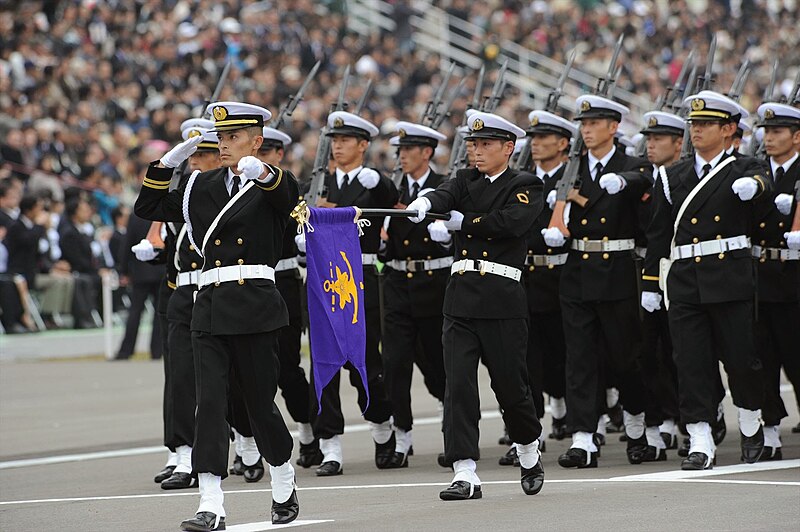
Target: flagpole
<point>398,213</point>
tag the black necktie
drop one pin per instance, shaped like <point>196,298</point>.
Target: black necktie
<point>235,185</point>
<point>345,181</point>
<point>779,173</point>
<point>706,170</point>
<point>598,169</point>
<point>545,177</point>
<point>414,191</point>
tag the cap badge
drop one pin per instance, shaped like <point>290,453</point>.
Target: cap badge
<point>698,104</point>
<point>477,125</point>
<point>769,114</point>
<point>220,113</point>
<point>653,122</point>
<point>535,121</point>
<point>402,133</point>
<point>338,122</point>
<point>585,106</point>
<point>194,133</point>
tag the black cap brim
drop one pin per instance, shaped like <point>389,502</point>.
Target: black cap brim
<point>349,131</point>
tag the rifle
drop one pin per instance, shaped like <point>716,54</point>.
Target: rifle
<point>458,152</point>
<point>364,98</point>
<point>735,92</point>
<point>289,107</point>
<point>568,187</point>
<point>223,77</point>
<point>756,148</point>
<point>523,160</point>
<point>703,83</point>
<point>432,108</point>
<point>316,194</point>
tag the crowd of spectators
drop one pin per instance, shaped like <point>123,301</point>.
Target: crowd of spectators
<point>93,90</point>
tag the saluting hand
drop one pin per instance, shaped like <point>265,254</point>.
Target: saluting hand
<point>174,157</point>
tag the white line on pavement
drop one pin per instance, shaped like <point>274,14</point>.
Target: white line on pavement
<point>723,470</point>
<point>266,525</point>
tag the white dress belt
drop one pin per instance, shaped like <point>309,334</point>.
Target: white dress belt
<point>597,246</point>
<point>287,264</point>
<point>188,278</point>
<point>710,247</point>
<point>483,267</point>
<point>420,265</point>
<point>238,273</point>
<point>776,253</point>
<point>546,260</point>
<point>368,258</point>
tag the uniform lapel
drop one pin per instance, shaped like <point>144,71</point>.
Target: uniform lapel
<point>710,187</point>
<point>352,191</point>
<point>493,190</point>
<point>217,189</point>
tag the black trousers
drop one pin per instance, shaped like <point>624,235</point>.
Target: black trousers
<point>254,358</point>
<point>546,357</point>
<point>139,294</point>
<point>292,380</point>
<point>704,335</point>
<point>179,364</point>
<point>330,421</point>
<point>594,330</point>
<point>502,346</point>
<point>660,374</point>
<point>776,342</point>
<point>408,339</point>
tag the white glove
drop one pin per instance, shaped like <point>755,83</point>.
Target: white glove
<point>745,188</point>
<point>554,237</point>
<point>784,203</point>
<point>174,157</point>
<point>455,221</point>
<point>250,167</point>
<point>422,206</point>
<point>612,183</point>
<point>369,178</point>
<point>144,250</point>
<point>651,301</point>
<point>300,240</point>
<point>551,199</point>
<point>439,232</point>
<point>792,239</point>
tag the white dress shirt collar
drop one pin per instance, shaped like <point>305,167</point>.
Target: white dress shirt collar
<point>604,161</point>
<point>541,173</point>
<point>788,164</point>
<point>352,174</point>
<point>493,178</point>
<point>421,181</point>
<point>699,162</point>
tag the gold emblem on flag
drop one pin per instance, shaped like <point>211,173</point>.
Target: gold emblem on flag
<point>769,114</point>
<point>338,122</point>
<point>220,113</point>
<point>477,125</point>
<point>343,284</point>
<point>698,104</point>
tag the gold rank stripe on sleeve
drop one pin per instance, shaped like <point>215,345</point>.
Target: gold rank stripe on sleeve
<point>171,285</point>
<point>650,278</point>
<point>761,184</point>
<point>277,180</point>
<point>156,184</point>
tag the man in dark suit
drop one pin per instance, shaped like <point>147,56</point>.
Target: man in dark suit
<point>598,287</point>
<point>778,310</point>
<point>353,184</point>
<point>485,312</point>
<point>236,217</point>
<point>417,270</point>
<point>76,249</point>
<point>710,285</point>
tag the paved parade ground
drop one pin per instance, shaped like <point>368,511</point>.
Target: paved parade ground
<point>80,443</point>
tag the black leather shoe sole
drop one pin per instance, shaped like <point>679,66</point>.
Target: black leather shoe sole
<point>533,479</point>
<point>460,491</point>
<point>179,481</point>
<point>329,469</point>
<point>164,474</point>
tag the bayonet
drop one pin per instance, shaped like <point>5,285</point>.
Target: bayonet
<point>289,107</point>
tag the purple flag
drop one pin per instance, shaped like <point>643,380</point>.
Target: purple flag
<point>335,286</point>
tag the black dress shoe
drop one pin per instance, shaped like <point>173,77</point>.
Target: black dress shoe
<point>329,469</point>
<point>559,430</point>
<point>255,472</point>
<point>579,458</point>
<point>616,422</point>
<point>398,460</point>
<point>179,481</point>
<point>384,453</point>
<point>752,446</point>
<point>461,490</point>
<point>796,429</point>
<point>683,450</point>
<point>204,522</point>
<point>770,454</point>
<point>533,478</point>
<point>599,440</point>
<point>636,449</point>
<point>697,462</point>
<point>285,512</point>
<point>442,461</point>
<point>310,455</point>
<point>164,474</point>
<point>504,440</point>
<point>670,440</point>
<point>238,466</point>
<point>654,454</point>
<point>510,458</point>
<point>719,430</point>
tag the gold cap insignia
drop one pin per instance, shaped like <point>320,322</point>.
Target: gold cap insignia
<point>698,104</point>
<point>535,121</point>
<point>477,125</point>
<point>769,114</point>
<point>194,133</point>
<point>402,133</point>
<point>585,106</point>
<point>220,113</point>
<point>653,122</point>
<point>338,122</point>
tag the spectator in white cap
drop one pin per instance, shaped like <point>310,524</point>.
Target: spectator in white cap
<point>235,217</point>
<point>778,263</point>
<point>418,267</point>
<point>598,289</point>
<point>353,184</point>
<point>491,208</point>
<point>702,266</point>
